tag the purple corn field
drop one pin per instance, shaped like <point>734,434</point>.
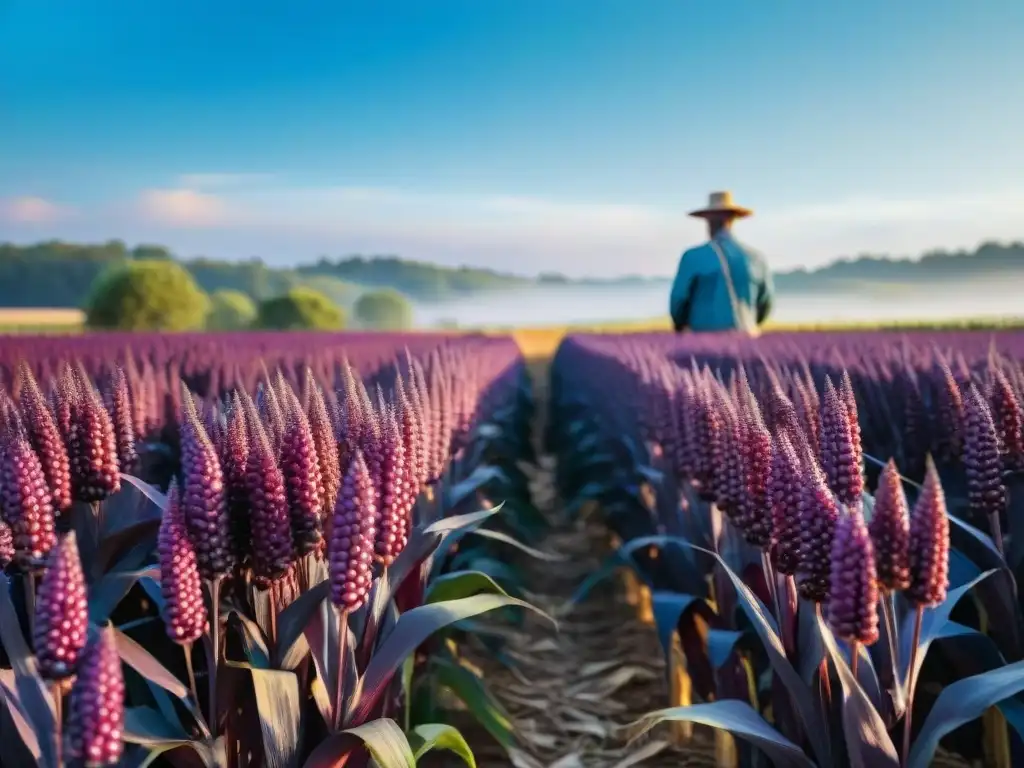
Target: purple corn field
<point>201,517</point>
<point>834,502</point>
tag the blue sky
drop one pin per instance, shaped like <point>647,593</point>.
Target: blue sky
<point>521,134</point>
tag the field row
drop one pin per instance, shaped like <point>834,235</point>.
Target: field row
<point>826,526</point>
<point>276,548</point>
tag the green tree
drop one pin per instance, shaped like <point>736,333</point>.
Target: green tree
<point>146,296</point>
<point>230,311</point>
<point>385,310</point>
<point>300,309</point>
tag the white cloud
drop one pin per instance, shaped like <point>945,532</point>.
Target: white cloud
<point>183,208</point>
<point>208,180</point>
<point>31,210</point>
<point>522,233</point>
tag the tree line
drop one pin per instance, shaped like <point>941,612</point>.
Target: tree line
<point>161,295</point>
<point>57,274</point>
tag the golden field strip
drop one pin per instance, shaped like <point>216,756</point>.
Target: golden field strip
<point>536,341</point>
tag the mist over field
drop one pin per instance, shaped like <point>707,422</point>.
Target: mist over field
<point>576,304</point>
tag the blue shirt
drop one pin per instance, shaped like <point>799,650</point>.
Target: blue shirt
<point>700,297</point>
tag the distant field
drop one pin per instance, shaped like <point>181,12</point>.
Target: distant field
<point>19,320</point>
<point>537,341</point>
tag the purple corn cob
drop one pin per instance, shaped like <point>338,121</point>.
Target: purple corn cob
<point>755,519</point>
<point>352,538</point>
<point>418,397</point>
<point>324,442</point>
<point>269,409</point>
<point>981,457</point>
<point>818,515</point>
<point>839,455</point>
<point>929,544</point>
<point>1008,418</point>
<point>272,549</point>
<point>371,446</point>
<point>92,447</point>
<point>203,503</point>
<point>119,406</point>
<point>807,411</point>
<point>6,545</point>
<point>61,625</point>
<point>849,399</point>
<point>25,504</point>
<point>184,612</point>
<point>234,458</point>
<point>890,531</point>
<point>728,477</point>
<point>853,603</point>
<point>95,719</point>
<point>10,419</point>
<point>63,396</point>
<point>390,516</point>
<point>304,487</point>
<point>786,482</point>
<point>46,440</point>
<point>950,413</point>
<point>412,436</point>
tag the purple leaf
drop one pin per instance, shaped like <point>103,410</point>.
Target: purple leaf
<point>33,696</point>
<point>20,718</point>
<point>382,738</point>
<point>148,490</point>
<point>867,740</point>
<point>143,662</point>
<point>413,628</point>
<point>806,707</point>
<point>279,704</point>
<point>739,719</point>
<point>960,703</point>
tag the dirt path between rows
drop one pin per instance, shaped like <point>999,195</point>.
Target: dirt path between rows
<point>571,693</point>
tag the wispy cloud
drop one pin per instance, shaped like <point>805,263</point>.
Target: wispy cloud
<point>518,232</point>
<point>32,210</point>
<point>184,208</point>
<point>216,180</point>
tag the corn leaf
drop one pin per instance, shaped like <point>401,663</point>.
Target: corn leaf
<point>280,708</point>
<point>453,586</point>
<point>481,476</point>
<point>252,640</point>
<point>932,624</point>
<point>433,736</point>
<point>623,556</point>
<point>764,625</point>
<point>36,702</point>
<point>143,662</point>
<point>472,691</point>
<point>18,716</point>
<point>111,589</point>
<point>668,608</point>
<point>213,754</point>
<point>867,739</point>
<point>151,493</point>
<point>382,738</point>
<point>323,634</point>
<point>459,522</point>
<point>146,726</point>
<point>739,719</point>
<point>504,538</point>
<point>960,703</point>
<point>376,608</point>
<point>292,621</point>
<point>412,629</point>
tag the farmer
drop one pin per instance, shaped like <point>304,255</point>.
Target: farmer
<point>721,285</point>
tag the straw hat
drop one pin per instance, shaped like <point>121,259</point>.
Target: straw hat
<point>721,202</point>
